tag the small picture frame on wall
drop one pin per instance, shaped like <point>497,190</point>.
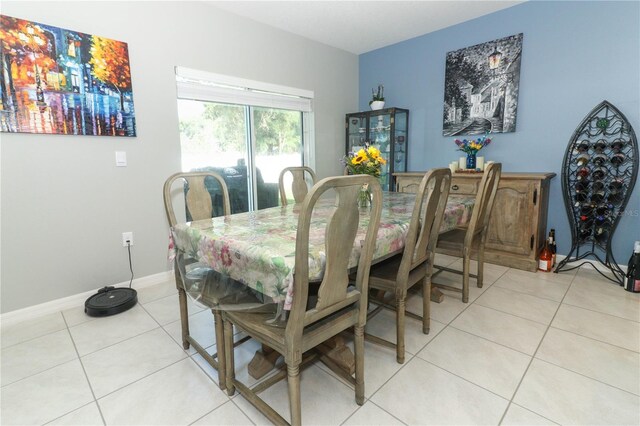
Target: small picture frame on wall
<point>481,88</point>
<point>59,81</point>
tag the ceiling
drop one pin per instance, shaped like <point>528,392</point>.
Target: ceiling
<point>361,26</point>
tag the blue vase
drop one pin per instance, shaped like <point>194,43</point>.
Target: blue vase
<point>471,161</point>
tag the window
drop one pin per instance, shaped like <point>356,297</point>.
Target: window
<point>245,131</point>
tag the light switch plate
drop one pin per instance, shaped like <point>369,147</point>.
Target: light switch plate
<point>121,159</point>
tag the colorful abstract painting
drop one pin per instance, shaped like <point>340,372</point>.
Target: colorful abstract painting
<point>58,81</point>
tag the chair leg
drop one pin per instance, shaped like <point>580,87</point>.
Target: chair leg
<point>358,346</point>
<point>400,307</point>
<point>465,277</point>
<point>480,265</point>
<point>220,347</point>
<point>184,317</point>
<point>230,372</point>
<point>293,378</point>
<point>426,303</point>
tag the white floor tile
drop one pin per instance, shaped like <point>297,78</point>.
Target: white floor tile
<point>89,415</point>
<point>422,393</point>
<point>21,332</point>
<point>455,280</point>
<point>94,335</point>
<point>377,368</point>
<point>443,312</point>
<point>569,398</point>
<point>603,327</point>
<point>45,396</point>
<point>176,395</point>
<point>565,277</point>
<point>118,365</point>
<point>28,358</point>
<point>167,309</point>
<point>383,325</point>
<point>228,414</point>
<point>201,328</point>
<point>444,260</point>
<point>324,399</point>
<point>491,272</point>
<point>157,291</point>
<point>519,304</point>
<point>592,281</point>
<point>609,364</point>
<point>514,332</point>
<point>371,414</point>
<point>487,364</point>
<point>518,416</point>
<point>76,316</point>
<point>534,284</point>
<point>619,306</point>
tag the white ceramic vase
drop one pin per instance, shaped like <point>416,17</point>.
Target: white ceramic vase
<point>375,105</point>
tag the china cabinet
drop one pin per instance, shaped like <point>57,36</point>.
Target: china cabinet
<point>386,129</point>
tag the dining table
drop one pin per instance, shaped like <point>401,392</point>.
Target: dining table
<point>255,251</point>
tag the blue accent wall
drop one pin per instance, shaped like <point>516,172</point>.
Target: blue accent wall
<point>575,55</point>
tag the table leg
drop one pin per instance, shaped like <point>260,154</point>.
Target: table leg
<point>263,362</point>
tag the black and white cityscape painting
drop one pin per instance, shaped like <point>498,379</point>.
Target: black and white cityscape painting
<point>481,88</point>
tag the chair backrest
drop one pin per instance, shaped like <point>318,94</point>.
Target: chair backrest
<point>197,197</point>
<point>485,198</point>
<point>340,239</point>
<point>422,237</point>
<point>299,186</point>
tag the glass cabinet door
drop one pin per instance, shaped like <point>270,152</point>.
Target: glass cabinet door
<point>385,129</point>
<point>356,132</point>
<point>400,142</point>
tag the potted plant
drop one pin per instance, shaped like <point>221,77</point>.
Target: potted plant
<point>377,98</point>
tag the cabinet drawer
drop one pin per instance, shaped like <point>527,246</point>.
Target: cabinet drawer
<point>464,186</point>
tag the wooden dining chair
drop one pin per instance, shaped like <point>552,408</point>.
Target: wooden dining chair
<point>199,204</point>
<point>299,185</point>
<point>337,306</point>
<point>464,240</point>
<point>415,264</point>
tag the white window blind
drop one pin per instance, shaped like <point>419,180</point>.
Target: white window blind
<point>205,86</point>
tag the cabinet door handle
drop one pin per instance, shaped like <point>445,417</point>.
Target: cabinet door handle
<point>535,196</point>
<point>455,187</point>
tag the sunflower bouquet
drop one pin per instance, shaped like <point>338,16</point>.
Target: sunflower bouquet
<point>366,161</point>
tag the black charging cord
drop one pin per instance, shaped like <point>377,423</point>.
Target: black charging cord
<point>130,264</point>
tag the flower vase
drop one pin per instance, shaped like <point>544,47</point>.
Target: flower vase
<point>471,161</point>
<point>364,197</point>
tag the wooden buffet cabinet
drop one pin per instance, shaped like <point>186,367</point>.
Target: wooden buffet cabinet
<point>518,224</point>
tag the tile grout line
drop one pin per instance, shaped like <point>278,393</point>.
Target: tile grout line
<point>594,339</point>
<point>86,376</point>
<point>600,312</point>
<point>515,392</point>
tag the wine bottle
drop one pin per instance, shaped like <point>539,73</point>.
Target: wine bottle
<point>582,159</point>
<point>617,159</point>
<point>616,185</point>
<point>600,159</point>
<point>583,146</point>
<point>583,172</point>
<point>617,144</point>
<point>552,238</point>
<point>598,186</point>
<point>600,145</point>
<point>599,173</point>
<point>597,197</point>
<point>633,270</point>
<point>546,258</point>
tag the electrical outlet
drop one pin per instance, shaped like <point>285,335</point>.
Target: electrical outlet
<point>127,236</point>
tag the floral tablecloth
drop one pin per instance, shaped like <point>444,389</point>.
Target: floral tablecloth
<point>258,248</point>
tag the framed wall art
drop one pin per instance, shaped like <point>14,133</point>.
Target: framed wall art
<point>481,88</point>
<point>58,81</point>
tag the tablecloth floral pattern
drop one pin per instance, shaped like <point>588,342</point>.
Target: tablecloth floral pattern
<point>258,248</point>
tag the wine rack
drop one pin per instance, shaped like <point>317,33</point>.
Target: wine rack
<point>598,175</point>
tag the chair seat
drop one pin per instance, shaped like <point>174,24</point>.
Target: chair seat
<point>452,242</point>
<point>383,275</point>
<point>259,326</point>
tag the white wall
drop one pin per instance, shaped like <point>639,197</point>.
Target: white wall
<point>65,204</point>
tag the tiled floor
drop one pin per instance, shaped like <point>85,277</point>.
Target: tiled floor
<point>528,349</point>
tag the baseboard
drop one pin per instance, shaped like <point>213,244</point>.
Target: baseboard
<point>561,257</point>
<point>75,300</point>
